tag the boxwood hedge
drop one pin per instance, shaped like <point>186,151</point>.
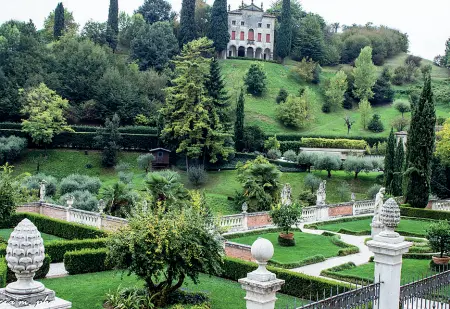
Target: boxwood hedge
<point>424,213</point>
<point>86,261</point>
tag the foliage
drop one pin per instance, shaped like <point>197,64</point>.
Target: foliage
<point>83,200</point>
<point>365,111</point>
<point>142,248</point>
<point>261,183</point>
<point>282,96</point>
<point>119,198</point>
<point>197,175</point>
<point>254,138</point>
<point>239,123</point>
<point>438,235</point>
<point>296,112</point>
<point>375,124</point>
<point>59,24</point>
<point>11,148</point>
<point>420,148</point>
<point>306,70</point>
<point>202,18</point>
<point>32,183</point>
<point>286,216</point>
<point>372,192</point>
<point>283,42</point>
<point>166,186</point>
<point>85,261</point>
<point>310,42</point>
<point>112,28</point>
<point>424,213</point>
<point>155,11</point>
<point>343,191</point>
<point>290,155</point>
<point>400,124</point>
<point>187,30</point>
<point>364,74</point>
<point>108,138</point>
<point>129,298</point>
<point>255,79</point>
<point>77,182</point>
<point>311,142</point>
<point>397,183</point>
<point>357,165</point>
<point>145,161</point>
<point>312,182</point>
<point>327,162</point>
<point>402,106</point>
<point>274,154</point>
<point>11,192</point>
<point>215,85</point>
<point>272,143</point>
<point>307,198</point>
<point>44,110</point>
<point>219,25</point>
<point>336,89</point>
<point>56,249</point>
<point>439,179</point>
<point>390,163</point>
<point>382,90</point>
<point>443,144</point>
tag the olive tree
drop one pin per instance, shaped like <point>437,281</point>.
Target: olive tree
<point>145,161</point>
<point>328,162</point>
<point>357,165</point>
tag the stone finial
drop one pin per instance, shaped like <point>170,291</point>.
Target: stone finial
<point>25,255</point>
<point>244,207</point>
<point>390,217</point>
<point>262,252</point>
<point>70,200</point>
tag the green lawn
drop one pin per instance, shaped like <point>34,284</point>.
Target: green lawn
<point>89,290</point>
<point>5,233</point>
<point>406,226</point>
<point>307,246</point>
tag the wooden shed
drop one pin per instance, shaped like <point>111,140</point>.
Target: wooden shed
<point>162,158</point>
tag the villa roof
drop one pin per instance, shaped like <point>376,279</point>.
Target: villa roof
<point>252,7</point>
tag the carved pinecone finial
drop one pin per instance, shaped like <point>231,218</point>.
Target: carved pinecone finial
<point>390,214</point>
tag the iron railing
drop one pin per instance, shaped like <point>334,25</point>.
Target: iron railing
<point>432,292</point>
<point>363,297</point>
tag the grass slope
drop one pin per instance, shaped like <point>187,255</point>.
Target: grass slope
<point>89,290</point>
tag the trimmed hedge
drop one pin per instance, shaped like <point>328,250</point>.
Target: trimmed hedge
<point>296,284</point>
<point>347,249</point>
<point>308,261</point>
<point>86,261</point>
<point>286,137</point>
<point>3,272</point>
<point>333,143</point>
<point>424,213</point>
<point>57,249</point>
<point>252,59</point>
<point>334,274</point>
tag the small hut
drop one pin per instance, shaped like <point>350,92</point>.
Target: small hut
<point>162,158</point>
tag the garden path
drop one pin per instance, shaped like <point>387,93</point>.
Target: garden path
<point>359,258</point>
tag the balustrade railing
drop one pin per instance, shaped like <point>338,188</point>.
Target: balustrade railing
<point>440,205</point>
<point>363,207</point>
<point>85,217</point>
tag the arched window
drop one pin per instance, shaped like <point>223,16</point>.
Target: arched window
<point>251,35</point>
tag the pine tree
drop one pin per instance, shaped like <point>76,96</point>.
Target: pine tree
<point>239,124</point>
<point>397,182</point>
<point>112,30</point>
<point>419,149</point>
<point>58,27</point>
<point>187,22</point>
<point>219,25</point>
<point>389,162</point>
<point>217,92</point>
<point>284,37</point>
<point>382,90</point>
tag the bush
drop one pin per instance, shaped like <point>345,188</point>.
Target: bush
<point>274,154</point>
<point>312,182</point>
<point>255,79</point>
<point>125,177</point>
<point>272,143</point>
<point>372,192</point>
<point>145,161</point>
<point>282,96</point>
<point>307,197</point>
<point>253,138</point>
<point>32,183</point>
<point>285,216</point>
<point>84,200</point>
<point>333,143</point>
<point>77,182</point>
<point>343,192</point>
<point>438,235</point>
<point>400,75</point>
<point>3,272</point>
<point>11,148</point>
<point>375,124</point>
<point>197,175</point>
<point>86,261</point>
<point>290,155</point>
<point>307,70</point>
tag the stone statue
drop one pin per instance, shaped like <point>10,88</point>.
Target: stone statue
<point>353,197</point>
<point>378,205</point>
<point>42,190</point>
<point>322,194</point>
<point>286,195</point>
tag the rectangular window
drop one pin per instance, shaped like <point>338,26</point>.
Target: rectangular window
<point>242,23</point>
<point>259,37</point>
<point>268,26</point>
<point>233,23</point>
<point>233,35</point>
<point>267,38</point>
<point>259,25</point>
<point>242,36</point>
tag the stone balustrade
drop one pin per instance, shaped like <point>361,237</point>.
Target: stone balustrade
<point>443,205</point>
<point>363,207</point>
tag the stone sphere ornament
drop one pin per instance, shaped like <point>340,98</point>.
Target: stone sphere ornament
<point>25,255</point>
<point>262,252</point>
<point>390,217</point>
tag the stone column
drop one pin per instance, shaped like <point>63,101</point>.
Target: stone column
<point>389,248</point>
<point>261,285</point>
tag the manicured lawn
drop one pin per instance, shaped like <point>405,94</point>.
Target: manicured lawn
<point>89,290</point>
<point>406,226</point>
<point>307,246</point>
<point>5,233</point>
<point>411,270</point>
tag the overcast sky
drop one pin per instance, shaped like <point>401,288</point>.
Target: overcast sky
<point>426,22</point>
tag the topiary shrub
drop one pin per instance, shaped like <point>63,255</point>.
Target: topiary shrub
<point>438,235</point>
<point>197,175</point>
<point>77,182</point>
<point>86,261</point>
<point>290,155</point>
<point>32,183</point>
<point>375,124</point>
<point>84,200</point>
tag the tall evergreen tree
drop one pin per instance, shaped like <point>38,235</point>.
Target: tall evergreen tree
<point>187,31</point>
<point>283,46</point>
<point>112,30</point>
<point>58,27</point>
<point>389,162</point>
<point>216,90</point>
<point>219,25</point>
<point>397,182</point>
<point>239,124</point>
<point>419,149</point>
<point>382,90</point>
<point>439,179</point>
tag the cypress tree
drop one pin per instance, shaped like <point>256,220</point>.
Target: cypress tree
<point>219,25</point>
<point>284,37</point>
<point>397,183</point>
<point>216,90</point>
<point>419,149</point>
<point>439,179</point>
<point>112,30</point>
<point>58,27</point>
<point>187,22</point>
<point>389,162</point>
<point>239,124</point>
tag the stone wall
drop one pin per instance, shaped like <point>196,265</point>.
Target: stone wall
<point>258,219</point>
<point>238,251</point>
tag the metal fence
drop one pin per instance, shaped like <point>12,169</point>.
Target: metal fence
<point>361,298</point>
<point>432,292</point>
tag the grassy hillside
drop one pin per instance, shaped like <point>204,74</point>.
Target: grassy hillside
<point>261,111</point>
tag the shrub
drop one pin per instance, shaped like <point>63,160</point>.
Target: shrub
<point>274,154</point>
<point>145,161</point>
<point>282,96</point>
<point>312,182</point>
<point>255,79</point>
<point>372,192</point>
<point>3,272</point>
<point>290,155</point>
<point>285,216</point>
<point>343,191</point>
<point>253,138</point>
<point>57,249</point>
<point>272,143</point>
<point>375,124</point>
<point>401,124</point>
<point>197,175</point>
<point>11,148</point>
<point>125,177</point>
<point>122,167</point>
<point>307,198</point>
<point>84,200</point>
<point>333,143</point>
<point>86,261</point>
<point>400,75</point>
<point>77,182</point>
<point>438,235</point>
<point>307,70</point>
<point>32,183</point>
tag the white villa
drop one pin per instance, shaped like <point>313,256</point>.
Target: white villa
<point>251,32</point>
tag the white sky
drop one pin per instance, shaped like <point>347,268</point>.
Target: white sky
<point>426,22</point>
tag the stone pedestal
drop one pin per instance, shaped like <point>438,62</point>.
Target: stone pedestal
<point>377,228</point>
<point>43,300</point>
<point>388,250</point>
<point>261,295</point>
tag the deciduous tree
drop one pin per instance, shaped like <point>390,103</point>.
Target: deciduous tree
<point>443,144</point>
<point>329,163</point>
<point>365,75</point>
<point>156,10</point>
<point>365,111</point>
<point>336,90</point>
